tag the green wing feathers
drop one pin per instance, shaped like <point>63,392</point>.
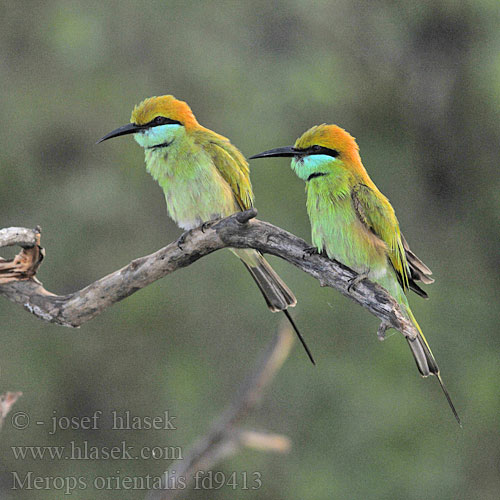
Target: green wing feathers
<point>375,211</point>
<point>234,169</point>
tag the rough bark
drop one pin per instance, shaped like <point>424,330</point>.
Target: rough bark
<point>240,230</point>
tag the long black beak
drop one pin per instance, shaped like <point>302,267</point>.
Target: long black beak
<point>130,128</point>
<point>287,151</point>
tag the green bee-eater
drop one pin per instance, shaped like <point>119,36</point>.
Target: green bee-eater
<point>354,223</point>
<point>204,177</point>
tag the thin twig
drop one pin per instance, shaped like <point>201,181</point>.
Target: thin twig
<point>224,438</point>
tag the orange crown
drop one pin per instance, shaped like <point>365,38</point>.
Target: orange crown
<point>167,106</point>
<point>332,137</point>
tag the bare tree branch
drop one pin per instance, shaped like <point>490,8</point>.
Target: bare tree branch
<point>224,439</point>
<point>240,231</point>
<point>26,263</point>
<point>20,236</point>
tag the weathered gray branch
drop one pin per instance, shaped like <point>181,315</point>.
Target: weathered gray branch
<point>240,230</point>
<point>224,438</point>
<point>18,236</point>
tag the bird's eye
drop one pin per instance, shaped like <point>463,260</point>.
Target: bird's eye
<point>316,149</point>
<point>162,120</point>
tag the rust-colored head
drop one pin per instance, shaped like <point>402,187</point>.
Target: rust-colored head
<point>153,112</point>
<point>332,137</point>
<point>329,140</point>
<point>166,106</point>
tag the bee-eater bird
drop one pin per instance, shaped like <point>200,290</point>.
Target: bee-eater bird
<point>354,223</point>
<point>203,177</point>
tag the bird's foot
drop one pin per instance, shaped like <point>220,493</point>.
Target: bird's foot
<point>182,239</point>
<point>310,251</point>
<point>382,329</point>
<point>354,281</point>
<point>208,224</point>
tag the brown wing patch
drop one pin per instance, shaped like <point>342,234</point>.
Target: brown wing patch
<point>418,271</point>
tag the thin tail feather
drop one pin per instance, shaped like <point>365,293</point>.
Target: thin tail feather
<point>277,295</point>
<point>448,398</point>
<point>301,338</point>
<point>427,364</point>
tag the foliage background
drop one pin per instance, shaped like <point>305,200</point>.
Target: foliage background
<point>417,83</point>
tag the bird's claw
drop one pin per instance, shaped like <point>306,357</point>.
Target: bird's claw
<point>310,251</point>
<point>354,281</point>
<point>382,329</point>
<point>207,225</point>
<point>181,240</point>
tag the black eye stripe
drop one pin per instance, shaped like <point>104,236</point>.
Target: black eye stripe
<point>162,120</point>
<point>320,150</point>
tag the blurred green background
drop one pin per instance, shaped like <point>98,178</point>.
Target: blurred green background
<point>418,84</point>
